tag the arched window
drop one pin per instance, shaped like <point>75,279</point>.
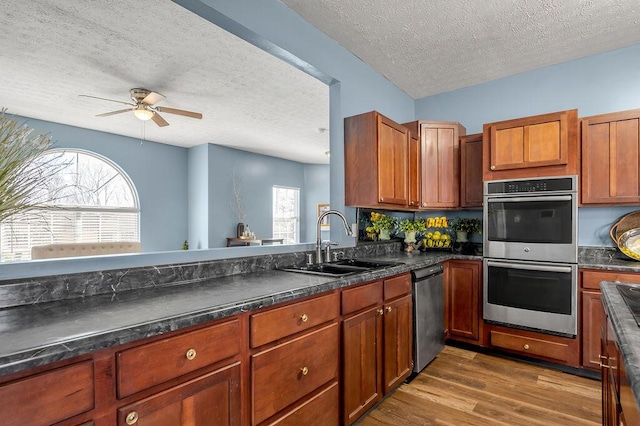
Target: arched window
<point>93,201</point>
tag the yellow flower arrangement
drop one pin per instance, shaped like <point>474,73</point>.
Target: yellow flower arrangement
<point>379,222</point>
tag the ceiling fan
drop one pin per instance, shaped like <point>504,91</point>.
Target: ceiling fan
<point>143,107</point>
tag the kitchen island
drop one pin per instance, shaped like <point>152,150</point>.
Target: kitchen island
<point>622,359</point>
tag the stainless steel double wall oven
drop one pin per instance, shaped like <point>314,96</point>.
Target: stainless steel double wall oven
<point>530,274</point>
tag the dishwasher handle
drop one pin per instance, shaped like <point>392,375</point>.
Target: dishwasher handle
<point>425,273</point>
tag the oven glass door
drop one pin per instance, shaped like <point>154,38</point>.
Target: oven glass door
<point>538,219</point>
<point>536,295</point>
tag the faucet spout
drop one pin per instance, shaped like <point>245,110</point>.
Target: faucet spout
<point>347,229</point>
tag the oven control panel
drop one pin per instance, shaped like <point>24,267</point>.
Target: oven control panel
<point>566,184</point>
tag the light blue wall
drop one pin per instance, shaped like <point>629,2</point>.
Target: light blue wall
<point>316,178</point>
<point>257,175</point>
<point>597,84</point>
<point>158,171</point>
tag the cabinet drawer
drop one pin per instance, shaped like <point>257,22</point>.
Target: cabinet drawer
<point>322,409</point>
<point>591,279</point>
<point>211,399</point>
<point>281,322</point>
<point>154,363</point>
<point>397,286</point>
<point>287,372</point>
<point>529,345</point>
<point>49,397</point>
<point>355,299</point>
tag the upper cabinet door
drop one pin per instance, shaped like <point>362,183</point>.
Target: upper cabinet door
<point>393,156</point>
<point>471,171</point>
<point>610,151</point>
<point>542,145</point>
<point>376,158</point>
<point>414,171</point>
<point>440,148</point>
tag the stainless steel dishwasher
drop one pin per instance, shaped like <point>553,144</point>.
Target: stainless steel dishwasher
<point>428,316</point>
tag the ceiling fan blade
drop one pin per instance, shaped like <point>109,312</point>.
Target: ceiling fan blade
<point>180,112</point>
<point>105,99</point>
<point>152,98</point>
<point>120,111</point>
<point>159,120</point>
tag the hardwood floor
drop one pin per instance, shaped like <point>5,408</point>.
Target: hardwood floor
<point>461,387</point>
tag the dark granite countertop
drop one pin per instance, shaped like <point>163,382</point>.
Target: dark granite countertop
<point>38,334</point>
<point>627,333</point>
<point>608,258</point>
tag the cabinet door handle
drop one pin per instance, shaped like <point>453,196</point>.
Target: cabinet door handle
<point>389,309</point>
<point>191,354</point>
<point>304,318</point>
<point>132,418</point>
<point>526,346</point>
<point>304,371</point>
<point>380,311</point>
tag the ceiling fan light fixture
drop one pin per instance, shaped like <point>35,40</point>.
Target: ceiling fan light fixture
<point>143,114</point>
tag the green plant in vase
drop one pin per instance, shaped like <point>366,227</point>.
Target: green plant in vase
<point>381,226</point>
<point>410,228</point>
<point>465,226</point>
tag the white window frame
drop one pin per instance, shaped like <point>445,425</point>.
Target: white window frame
<point>296,217</point>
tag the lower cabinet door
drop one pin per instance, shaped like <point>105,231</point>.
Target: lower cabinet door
<point>398,341</point>
<point>362,363</point>
<point>210,400</point>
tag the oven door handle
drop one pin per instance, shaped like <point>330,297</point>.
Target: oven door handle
<point>545,268</point>
<point>534,199</point>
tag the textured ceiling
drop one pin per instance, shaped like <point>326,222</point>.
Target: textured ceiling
<point>427,47</point>
<point>54,50</point>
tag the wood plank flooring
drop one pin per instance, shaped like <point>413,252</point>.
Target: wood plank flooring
<point>462,387</point>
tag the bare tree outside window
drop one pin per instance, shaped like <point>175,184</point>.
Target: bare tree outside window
<point>94,202</point>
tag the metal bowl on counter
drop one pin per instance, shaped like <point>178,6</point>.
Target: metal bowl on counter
<point>629,243</point>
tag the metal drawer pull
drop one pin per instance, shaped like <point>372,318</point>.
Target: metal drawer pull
<point>304,371</point>
<point>132,418</point>
<point>526,346</point>
<point>389,309</point>
<point>304,318</point>
<point>191,354</point>
<point>380,311</point>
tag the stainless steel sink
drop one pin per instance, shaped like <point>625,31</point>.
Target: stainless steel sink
<point>340,268</point>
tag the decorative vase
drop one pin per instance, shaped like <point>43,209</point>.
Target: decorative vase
<point>239,229</point>
<point>385,234</point>
<point>461,236</point>
<point>410,237</point>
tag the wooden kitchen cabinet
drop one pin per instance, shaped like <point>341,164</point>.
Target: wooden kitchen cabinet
<point>212,399</point>
<point>592,312</point>
<point>541,145</point>
<point>610,146</point>
<point>376,162</point>
<point>362,363</point>
<point>619,405</point>
<point>471,191</point>
<point>440,162</point>
<point>48,397</point>
<point>398,341</point>
<point>377,342</point>
<point>463,288</point>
